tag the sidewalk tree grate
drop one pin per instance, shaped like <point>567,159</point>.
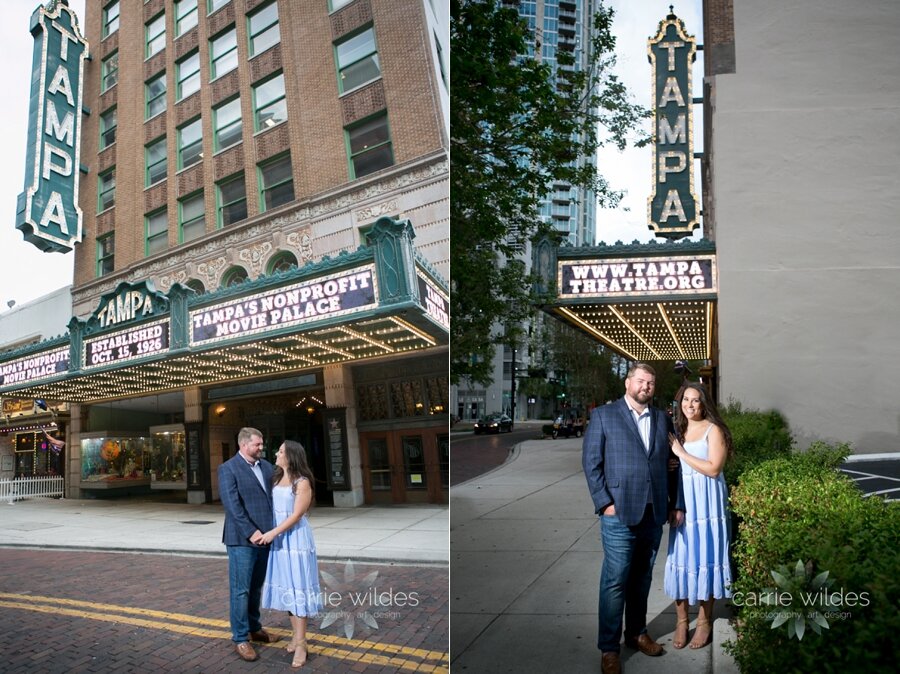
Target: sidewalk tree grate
<point>198,522</point>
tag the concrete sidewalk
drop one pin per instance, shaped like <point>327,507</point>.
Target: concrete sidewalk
<point>525,566</point>
<point>413,534</point>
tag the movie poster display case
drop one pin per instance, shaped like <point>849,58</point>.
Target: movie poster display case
<point>114,460</point>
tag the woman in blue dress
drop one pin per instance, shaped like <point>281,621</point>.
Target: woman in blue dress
<point>698,567</point>
<point>292,576</point>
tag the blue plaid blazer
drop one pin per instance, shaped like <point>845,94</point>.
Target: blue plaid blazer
<point>619,470</point>
<point>248,505</point>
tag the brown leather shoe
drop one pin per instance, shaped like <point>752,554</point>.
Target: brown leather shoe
<point>645,644</point>
<point>245,650</point>
<point>264,637</point>
<point>610,663</point>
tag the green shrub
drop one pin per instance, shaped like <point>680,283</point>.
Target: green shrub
<point>757,437</point>
<point>801,508</point>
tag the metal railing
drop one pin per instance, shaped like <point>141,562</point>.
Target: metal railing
<point>29,487</point>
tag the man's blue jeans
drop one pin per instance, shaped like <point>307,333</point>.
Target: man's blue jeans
<point>246,574</point>
<point>628,556</point>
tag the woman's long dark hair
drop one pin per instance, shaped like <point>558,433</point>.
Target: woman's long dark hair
<point>707,410</point>
<point>297,466</point>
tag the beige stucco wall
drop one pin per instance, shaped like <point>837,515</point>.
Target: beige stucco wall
<point>806,200</point>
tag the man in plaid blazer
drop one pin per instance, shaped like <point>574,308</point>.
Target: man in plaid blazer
<point>245,487</point>
<point>625,456</point>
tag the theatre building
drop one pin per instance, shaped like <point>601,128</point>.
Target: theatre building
<point>264,195</point>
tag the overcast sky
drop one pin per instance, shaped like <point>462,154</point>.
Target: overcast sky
<point>27,273</point>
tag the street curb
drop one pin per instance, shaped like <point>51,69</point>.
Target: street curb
<point>892,456</point>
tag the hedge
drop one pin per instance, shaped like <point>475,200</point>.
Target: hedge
<point>800,508</point>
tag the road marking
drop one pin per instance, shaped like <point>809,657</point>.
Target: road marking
<point>200,627</point>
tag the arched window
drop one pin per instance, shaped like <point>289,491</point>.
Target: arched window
<point>281,261</point>
<point>233,277</point>
<point>196,285</point>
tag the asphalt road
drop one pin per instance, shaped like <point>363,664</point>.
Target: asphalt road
<point>879,476</point>
<point>472,455</point>
<point>64,611</point>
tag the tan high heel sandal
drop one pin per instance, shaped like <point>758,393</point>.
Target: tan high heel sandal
<point>697,644</point>
<point>681,644</point>
<point>298,653</point>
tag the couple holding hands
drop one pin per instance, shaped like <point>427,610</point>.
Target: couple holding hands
<point>271,552</point>
<point>636,486</point>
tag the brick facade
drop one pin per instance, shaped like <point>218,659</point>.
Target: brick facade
<point>327,202</point>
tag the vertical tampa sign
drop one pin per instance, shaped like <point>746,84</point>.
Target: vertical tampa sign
<point>47,211</point>
<point>673,206</point>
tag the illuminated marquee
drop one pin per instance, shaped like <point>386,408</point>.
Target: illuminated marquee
<point>672,207</point>
<point>689,275</point>
<point>47,211</point>
<point>434,301</point>
<point>141,342</point>
<point>335,295</point>
<point>35,367</point>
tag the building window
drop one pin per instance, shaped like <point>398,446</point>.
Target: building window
<point>337,4</point>
<point>196,285</point>
<point>111,18</point>
<point>414,462</point>
<point>106,189</point>
<point>234,276</point>
<point>185,16</point>
<point>187,76</point>
<point>106,254</point>
<point>379,465</point>
<point>190,144</point>
<point>357,60</point>
<point>108,124</point>
<point>192,216</point>
<point>109,71</point>
<point>157,237</point>
<point>155,32</point>
<point>227,124</point>
<point>231,197</point>
<point>269,106</point>
<point>156,159</point>
<point>155,95</point>
<point>440,60</point>
<point>213,5</point>
<point>263,29</point>
<point>282,261</point>
<point>276,182</point>
<point>223,55</point>
<point>369,146</point>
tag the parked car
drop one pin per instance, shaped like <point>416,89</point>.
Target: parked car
<point>568,426</point>
<point>494,423</point>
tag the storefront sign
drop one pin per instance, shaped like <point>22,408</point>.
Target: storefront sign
<point>48,212</point>
<point>17,405</point>
<point>337,457</point>
<point>638,277</point>
<point>292,305</point>
<point>147,340</point>
<point>673,205</point>
<point>35,367</point>
<point>435,302</point>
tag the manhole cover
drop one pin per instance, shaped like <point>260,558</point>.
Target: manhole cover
<point>198,522</point>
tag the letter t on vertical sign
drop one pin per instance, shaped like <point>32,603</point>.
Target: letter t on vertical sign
<point>47,211</point>
<point>672,207</point>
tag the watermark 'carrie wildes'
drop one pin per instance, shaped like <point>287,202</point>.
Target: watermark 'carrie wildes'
<point>362,601</point>
<point>802,600</point>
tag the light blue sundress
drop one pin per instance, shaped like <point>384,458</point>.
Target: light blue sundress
<point>292,576</point>
<point>698,566</point>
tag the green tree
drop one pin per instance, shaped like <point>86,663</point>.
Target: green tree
<point>517,124</point>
